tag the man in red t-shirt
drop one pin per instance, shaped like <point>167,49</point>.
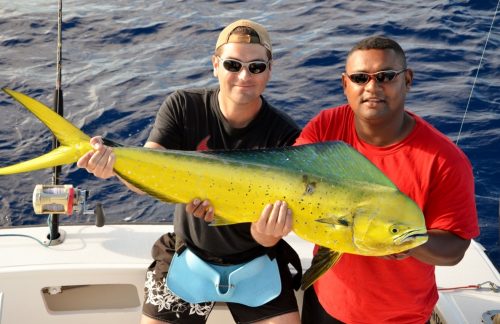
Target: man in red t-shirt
<point>423,163</point>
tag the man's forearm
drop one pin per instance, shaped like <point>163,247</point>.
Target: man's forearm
<point>442,249</point>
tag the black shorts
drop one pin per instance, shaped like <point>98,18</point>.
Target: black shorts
<point>161,304</point>
<point>313,312</point>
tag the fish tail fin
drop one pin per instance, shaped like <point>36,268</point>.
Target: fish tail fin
<point>73,142</point>
<point>323,260</point>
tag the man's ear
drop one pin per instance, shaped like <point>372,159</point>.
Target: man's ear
<point>215,65</point>
<point>408,79</point>
<point>344,81</point>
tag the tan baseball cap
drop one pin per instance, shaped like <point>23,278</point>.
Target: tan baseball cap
<point>226,35</point>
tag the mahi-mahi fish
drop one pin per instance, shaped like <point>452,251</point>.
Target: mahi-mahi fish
<point>339,199</point>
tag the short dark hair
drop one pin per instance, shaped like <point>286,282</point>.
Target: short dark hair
<point>381,43</point>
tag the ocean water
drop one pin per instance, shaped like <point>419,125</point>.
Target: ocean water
<point>122,57</point>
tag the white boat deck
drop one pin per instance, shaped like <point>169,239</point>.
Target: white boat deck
<point>97,276</point>
<point>467,305</point>
<point>112,260</point>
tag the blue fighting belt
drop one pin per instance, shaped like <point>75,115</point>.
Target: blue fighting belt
<point>253,283</point>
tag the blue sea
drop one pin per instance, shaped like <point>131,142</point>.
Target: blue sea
<point>122,57</point>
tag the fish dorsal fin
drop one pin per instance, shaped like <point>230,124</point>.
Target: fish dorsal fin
<point>331,160</point>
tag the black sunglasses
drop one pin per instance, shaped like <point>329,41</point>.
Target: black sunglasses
<point>232,65</point>
<point>381,76</point>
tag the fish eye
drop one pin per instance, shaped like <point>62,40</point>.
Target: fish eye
<point>394,229</point>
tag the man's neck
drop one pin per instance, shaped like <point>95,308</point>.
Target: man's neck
<point>239,115</point>
<point>385,134</point>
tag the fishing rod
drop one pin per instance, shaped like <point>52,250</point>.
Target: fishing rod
<point>59,109</point>
<point>477,73</point>
<point>58,199</point>
<point>470,96</point>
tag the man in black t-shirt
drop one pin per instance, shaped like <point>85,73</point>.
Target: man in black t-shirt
<point>232,116</point>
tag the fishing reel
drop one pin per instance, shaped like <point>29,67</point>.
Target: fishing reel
<point>64,199</point>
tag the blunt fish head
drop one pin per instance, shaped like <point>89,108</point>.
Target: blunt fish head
<point>388,223</point>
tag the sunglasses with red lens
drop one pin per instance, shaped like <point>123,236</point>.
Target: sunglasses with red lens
<point>362,78</point>
<point>255,67</point>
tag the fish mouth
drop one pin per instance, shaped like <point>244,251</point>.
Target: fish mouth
<point>411,236</point>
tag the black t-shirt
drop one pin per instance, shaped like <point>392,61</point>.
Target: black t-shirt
<point>192,120</point>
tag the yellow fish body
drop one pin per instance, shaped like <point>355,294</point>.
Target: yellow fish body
<point>339,199</point>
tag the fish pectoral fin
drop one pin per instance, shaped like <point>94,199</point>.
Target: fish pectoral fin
<point>333,220</point>
<point>323,260</point>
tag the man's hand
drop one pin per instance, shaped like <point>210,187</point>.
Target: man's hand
<point>201,209</point>
<point>99,161</point>
<point>275,222</point>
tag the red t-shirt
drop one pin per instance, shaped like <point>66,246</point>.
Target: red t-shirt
<point>437,175</point>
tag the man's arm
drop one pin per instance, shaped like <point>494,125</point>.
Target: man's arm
<point>274,223</point>
<point>443,248</point>
<point>101,160</point>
